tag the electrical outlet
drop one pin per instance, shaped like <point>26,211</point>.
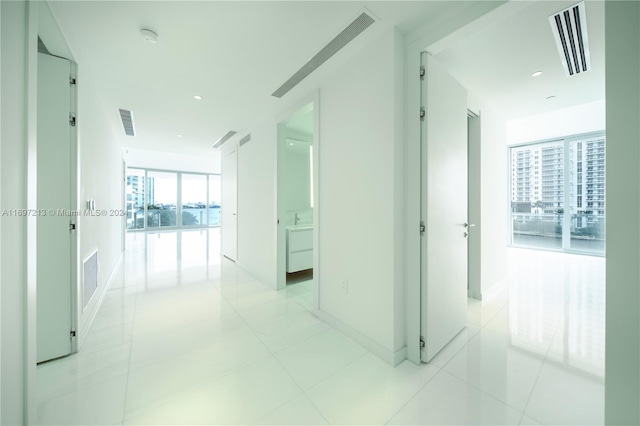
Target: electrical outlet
<point>345,286</point>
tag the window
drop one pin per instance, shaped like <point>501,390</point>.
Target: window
<point>169,199</point>
<point>567,185</point>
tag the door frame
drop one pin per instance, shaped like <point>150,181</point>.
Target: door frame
<point>280,228</point>
<point>229,148</point>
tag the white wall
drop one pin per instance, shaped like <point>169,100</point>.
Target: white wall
<point>583,118</point>
<point>13,392</point>
<point>100,179</point>
<point>360,200</point>
<point>622,364</point>
<point>493,200</point>
<point>361,148</point>
<point>257,202</point>
<point>209,163</point>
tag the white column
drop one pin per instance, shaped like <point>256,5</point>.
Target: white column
<point>622,369</point>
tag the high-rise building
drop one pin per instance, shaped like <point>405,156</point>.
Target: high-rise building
<point>538,180</point>
<point>588,181</point>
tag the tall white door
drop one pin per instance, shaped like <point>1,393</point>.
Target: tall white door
<point>444,208</point>
<point>230,204</point>
<point>54,261</point>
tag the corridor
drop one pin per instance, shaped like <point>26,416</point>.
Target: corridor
<point>184,336</point>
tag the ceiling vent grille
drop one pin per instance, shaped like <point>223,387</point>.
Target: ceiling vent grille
<point>223,139</point>
<point>354,29</point>
<point>569,29</point>
<point>127,121</point>
<point>245,139</point>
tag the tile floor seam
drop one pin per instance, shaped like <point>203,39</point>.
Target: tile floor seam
<point>533,388</point>
<point>458,351</point>
<point>200,385</point>
<point>126,390</point>
<point>415,394</point>
<point>484,392</point>
<point>251,328</point>
<point>288,373</point>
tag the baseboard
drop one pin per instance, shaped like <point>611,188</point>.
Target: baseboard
<point>390,357</point>
<point>257,275</point>
<point>84,331</point>
<point>494,290</point>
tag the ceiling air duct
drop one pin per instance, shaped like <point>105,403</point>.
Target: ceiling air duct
<point>569,29</point>
<point>223,139</point>
<point>361,23</point>
<point>127,121</point>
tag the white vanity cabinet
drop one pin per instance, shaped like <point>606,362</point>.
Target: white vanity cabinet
<point>299,248</point>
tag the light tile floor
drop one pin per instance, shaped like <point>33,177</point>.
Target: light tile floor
<point>187,337</point>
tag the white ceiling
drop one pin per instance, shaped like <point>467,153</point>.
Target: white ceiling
<point>235,54</point>
<point>497,60</point>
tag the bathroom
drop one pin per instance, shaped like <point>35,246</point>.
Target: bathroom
<point>297,188</point>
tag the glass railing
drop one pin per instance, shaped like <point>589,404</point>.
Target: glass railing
<point>586,233</point>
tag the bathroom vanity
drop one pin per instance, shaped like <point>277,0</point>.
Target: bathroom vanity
<point>299,248</point>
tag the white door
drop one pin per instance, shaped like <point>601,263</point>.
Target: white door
<point>230,204</point>
<point>444,208</point>
<point>54,264</point>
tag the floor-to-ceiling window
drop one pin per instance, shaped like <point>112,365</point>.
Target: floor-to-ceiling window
<point>162,199</point>
<point>135,193</point>
<point>215,197</point>
<point>171,199</point>
<point>557,194</point>
<point>194,199</point>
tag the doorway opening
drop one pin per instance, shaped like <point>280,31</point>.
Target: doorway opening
<point>297,197</point>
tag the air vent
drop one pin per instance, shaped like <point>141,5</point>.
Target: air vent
<point>569,29</point>
<point>245,139</point>
<point>223,139</point>
<point>354,29</point>
<point>127,121</point>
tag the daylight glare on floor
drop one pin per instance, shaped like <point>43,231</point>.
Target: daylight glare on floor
<point>185,336</point>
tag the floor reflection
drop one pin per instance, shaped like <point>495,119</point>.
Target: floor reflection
<point>556,307</point>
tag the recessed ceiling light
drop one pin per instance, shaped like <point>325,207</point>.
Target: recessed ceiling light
<point>197,97</point>
<point>536,74</point>
<point>291,143</point>
<point>551,97</point>
<point>179,135</point>
<point>149,35</point>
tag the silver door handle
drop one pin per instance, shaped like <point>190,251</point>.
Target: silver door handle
<point>469,225</point>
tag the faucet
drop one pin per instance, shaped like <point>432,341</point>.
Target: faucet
<point>296,219</point>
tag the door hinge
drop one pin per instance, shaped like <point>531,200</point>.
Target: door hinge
<point>422,72</point>
<point>422,344</point>
<point>72,334</point>
<point>422,228</point>
<point>422,113</point>
<point>72,227</point>
<point>72,80</point>
<point>72,120</point>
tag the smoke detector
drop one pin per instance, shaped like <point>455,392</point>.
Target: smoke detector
<point>149,35</point>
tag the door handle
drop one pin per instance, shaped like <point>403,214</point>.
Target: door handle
<point>469,225</point>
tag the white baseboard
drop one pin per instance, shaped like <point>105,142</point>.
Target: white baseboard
<point>494,290</point>
<point>257,275</point>
<point>390,357</point>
